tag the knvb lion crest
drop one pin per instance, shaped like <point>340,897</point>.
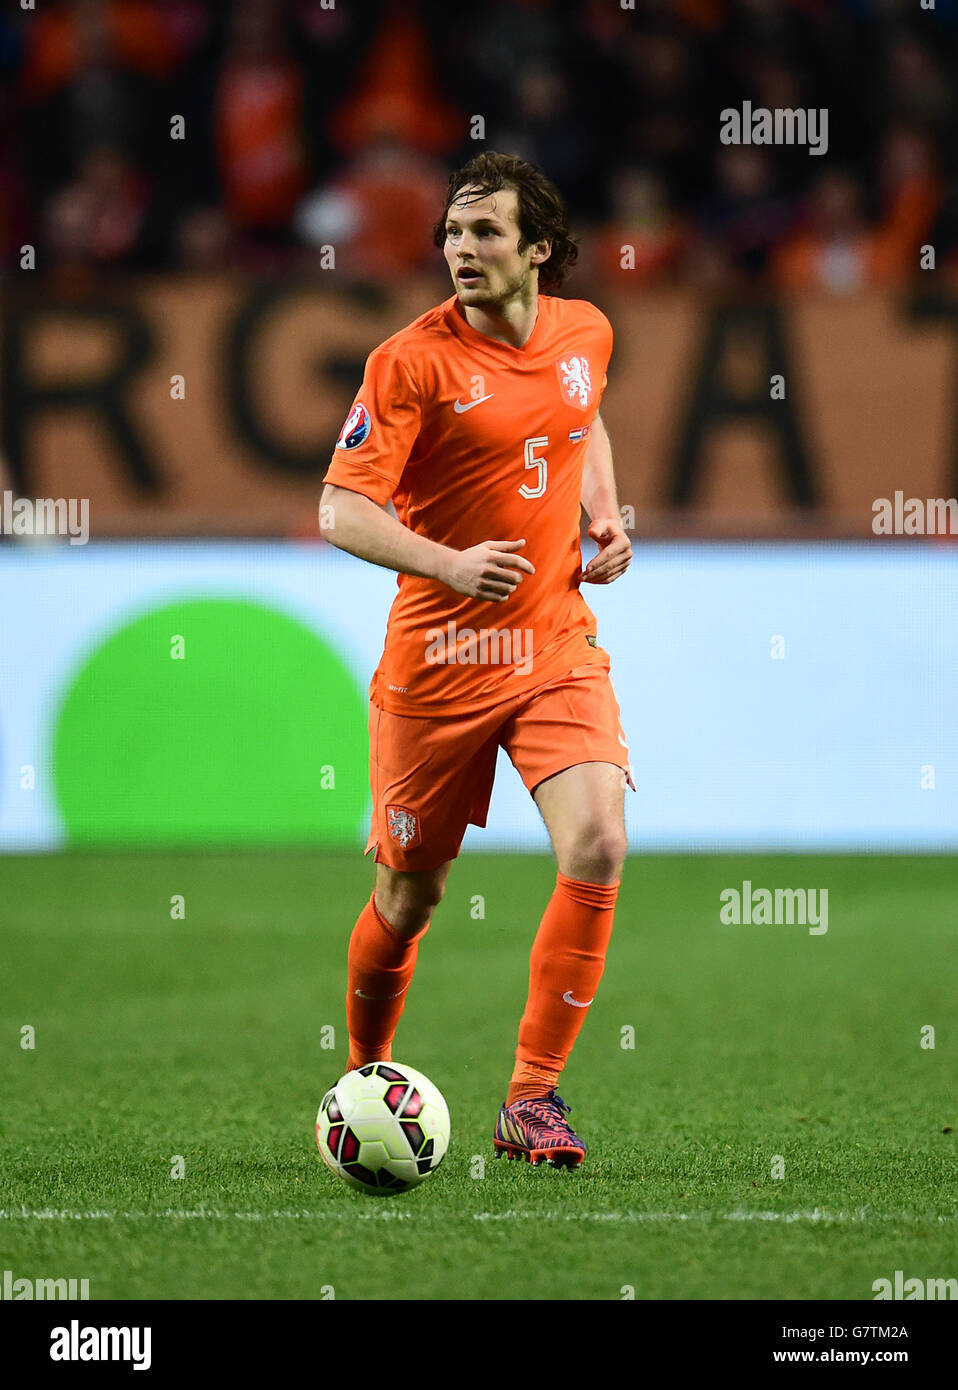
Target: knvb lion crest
<point>575,378</point>
<point>403,825</point>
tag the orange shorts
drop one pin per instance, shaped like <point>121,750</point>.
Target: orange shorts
<point>431,777</point>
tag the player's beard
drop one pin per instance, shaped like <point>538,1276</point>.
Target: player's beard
<point>521,286</point>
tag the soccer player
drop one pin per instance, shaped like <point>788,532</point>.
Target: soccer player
<point>480,421</point>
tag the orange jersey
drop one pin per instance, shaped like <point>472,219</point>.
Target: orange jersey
<point>475,440</point>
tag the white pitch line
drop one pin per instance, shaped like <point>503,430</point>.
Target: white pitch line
<point>816,1215</point>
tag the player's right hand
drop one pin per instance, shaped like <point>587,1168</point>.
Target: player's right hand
<point>491,570</point>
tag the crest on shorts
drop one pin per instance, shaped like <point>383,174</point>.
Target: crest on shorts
<point>575,378</point>
<point>403,825</point>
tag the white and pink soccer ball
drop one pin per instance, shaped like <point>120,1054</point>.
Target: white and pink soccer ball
<point>383,1128</point>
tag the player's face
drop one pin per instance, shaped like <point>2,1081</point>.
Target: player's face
<point>482,250</point>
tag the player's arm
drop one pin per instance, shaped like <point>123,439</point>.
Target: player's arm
<point>357,524</point>
<point>602,507</point>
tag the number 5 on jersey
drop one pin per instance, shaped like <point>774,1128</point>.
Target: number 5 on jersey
<point>529,451</point>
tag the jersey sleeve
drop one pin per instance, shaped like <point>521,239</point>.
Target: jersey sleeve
<point>607,336</point>
<point>380,430</point>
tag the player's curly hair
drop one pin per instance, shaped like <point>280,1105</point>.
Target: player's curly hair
<point>542,213</point>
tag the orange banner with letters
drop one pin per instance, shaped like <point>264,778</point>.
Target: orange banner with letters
<point>210,406</point>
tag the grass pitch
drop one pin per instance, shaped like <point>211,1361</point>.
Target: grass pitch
<point>201,1037</point>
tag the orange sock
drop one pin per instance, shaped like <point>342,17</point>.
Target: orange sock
<point>565,967</point>
<point>380,968</point>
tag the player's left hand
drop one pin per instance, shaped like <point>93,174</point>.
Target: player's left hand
<point>615,552</point>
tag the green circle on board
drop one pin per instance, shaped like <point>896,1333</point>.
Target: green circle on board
<point>215,722</point>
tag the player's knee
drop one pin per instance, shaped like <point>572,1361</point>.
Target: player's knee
<point>407,901</point>
<point>407,918</point>
<point>597,855</point>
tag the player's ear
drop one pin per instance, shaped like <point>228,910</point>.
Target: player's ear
<point>541,252</point>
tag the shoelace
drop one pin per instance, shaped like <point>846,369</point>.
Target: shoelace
<point>557,1108</point>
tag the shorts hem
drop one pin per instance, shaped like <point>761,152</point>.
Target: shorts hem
<point>612,762</point>
<point>428,867</point>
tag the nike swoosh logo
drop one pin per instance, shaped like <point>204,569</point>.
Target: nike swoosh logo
<point>461,409</point>
<point>377,997</point>
<point>569,1000</point>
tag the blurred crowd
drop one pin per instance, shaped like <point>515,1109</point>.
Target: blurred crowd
<point>156,135</point>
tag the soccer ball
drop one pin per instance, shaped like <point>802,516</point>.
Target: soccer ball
<point>383,1128</point>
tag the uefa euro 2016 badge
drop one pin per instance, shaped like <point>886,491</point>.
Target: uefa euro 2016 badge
<point>356,429</point>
